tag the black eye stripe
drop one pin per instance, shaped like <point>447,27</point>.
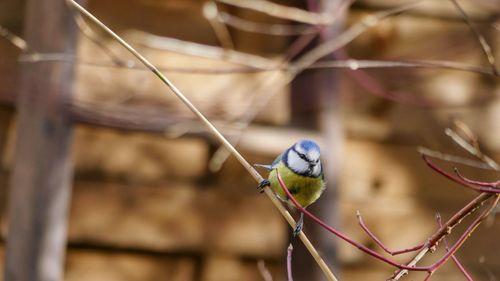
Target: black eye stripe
<point>302,156</point>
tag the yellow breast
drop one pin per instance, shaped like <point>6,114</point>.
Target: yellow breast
<point>305,189</point>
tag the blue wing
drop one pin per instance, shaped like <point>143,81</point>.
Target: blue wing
<point>270,167</point>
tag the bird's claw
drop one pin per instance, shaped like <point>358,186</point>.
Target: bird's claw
<point>298,228</point>
<point>263,185</point>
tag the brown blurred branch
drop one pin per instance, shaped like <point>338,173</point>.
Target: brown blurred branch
<point>346,64</point>
<point>472,149</point>
<point>271,29</point>
<point>350,34</point>
<point>13,39</point>
<point>88,32</point>
<point>211,12</point>
<point>480,38</point>
<point>264,272</point>
<point>281,11</point>
<point>454,158</point>
<point>200,50</point>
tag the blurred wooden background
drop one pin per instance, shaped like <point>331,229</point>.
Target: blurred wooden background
<point>147,206</point>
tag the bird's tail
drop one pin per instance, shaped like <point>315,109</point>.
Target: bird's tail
<point>267,167</point>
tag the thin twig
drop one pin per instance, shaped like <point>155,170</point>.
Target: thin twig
<point>459,179</point>
<point>482,41</point>
<point>450,224</point>
<point>281,11</point>
<point>468,232</point>
<point>472,149</point>
<point>482,186</point>
<point>466,130</point>
<point>289,262</point>
<point>381,245</point>
<point>200,50</point>
<point>261,100</point>
<point>264,272</point>
<point>342,64</point>
<point>453,158</point>
<point>447,248</point>
<point>211,12</point>
<point>97,40</point>
<point>375,87</point>
<point>214,131</point>
<point>13,39</point>
<point>494,185</point>
<point>264,28</point>
<point>350,34</point>
<point>441,233</point>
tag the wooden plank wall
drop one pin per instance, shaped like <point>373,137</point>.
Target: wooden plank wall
<point>146,206</point>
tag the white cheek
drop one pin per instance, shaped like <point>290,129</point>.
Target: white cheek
<point>316,170</point>
<point>296,163</point>
<point>313,155</point>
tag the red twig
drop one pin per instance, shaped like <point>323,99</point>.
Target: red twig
<point>462,180</point>
<point>431,268</point>
<point>429,275</point>
<point>378,242</point>
<point>494,185</point>
<point>455,260</point>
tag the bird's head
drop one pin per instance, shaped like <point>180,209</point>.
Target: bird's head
<point>303,158</point>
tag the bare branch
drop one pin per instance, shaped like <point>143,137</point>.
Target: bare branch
<point>264,272</point>
<point>482,41</point>
<point>472,149</point>
<point>281,11</point>
<point>200,50</point>
<point>349,64</point>
<point>442,232</point>
<point>97,40</point>
<point>493,185</point>
<point>454,158</point>
<point>213,130</point>
<point>13,39</point>
<point>461,180</point>
<point>453,257</point>
<point>350,34</point>
<point>263,28</point>
<point>211,12</point>
<point>381,245</point>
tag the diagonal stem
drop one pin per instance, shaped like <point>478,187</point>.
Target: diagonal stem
<point>480,38</point>
<point>213,130</point>
<point>494,185</point>
<point>381,245</point>
<point>463,181</point>
<point>432,242</point>
<point>447,248</point>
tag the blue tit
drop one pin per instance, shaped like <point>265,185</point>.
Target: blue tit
<point>300,168</point>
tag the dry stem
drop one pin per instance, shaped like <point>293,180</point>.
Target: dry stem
<point>281,11</point>
<point>214,131</point>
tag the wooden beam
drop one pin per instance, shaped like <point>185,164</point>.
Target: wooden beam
<point>315,105</point>
<point>40,183</point>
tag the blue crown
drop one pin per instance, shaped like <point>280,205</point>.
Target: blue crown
<point>308,145</point>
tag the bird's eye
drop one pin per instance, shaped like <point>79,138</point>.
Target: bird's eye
<point>303,156</point>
